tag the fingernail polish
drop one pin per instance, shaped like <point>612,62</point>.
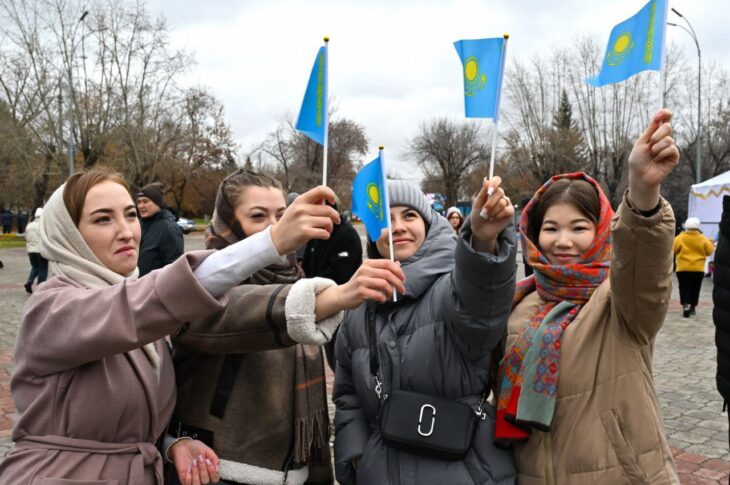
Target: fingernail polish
<point>208,462</point>
<point>483,214</point>
<point>490,191</point>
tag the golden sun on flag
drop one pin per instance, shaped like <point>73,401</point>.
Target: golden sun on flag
<point>620,49</point>
<point>474,79</point>
<point>374,200</point>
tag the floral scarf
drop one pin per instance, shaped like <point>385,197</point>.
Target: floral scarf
<point>530,370</point>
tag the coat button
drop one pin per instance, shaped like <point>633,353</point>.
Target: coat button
<point>391,344</point>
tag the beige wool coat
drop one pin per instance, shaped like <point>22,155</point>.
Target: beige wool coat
<point>91,403</point>
<point>607,428</point>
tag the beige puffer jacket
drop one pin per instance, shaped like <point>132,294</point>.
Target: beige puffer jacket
<point>607,428</point>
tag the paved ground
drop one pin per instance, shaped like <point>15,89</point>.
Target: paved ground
<point>684,369</point>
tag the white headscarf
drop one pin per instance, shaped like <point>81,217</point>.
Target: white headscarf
<point>68,255</point>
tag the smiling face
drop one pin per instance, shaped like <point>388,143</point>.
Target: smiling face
<point>259,207</point>
<point>409,232</point>
<point>110,227</point>
<point>565,234</point>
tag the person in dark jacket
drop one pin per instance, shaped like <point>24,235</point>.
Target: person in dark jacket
<point>162,238</point>
<point>7,221</point>
<point>336,258</point>
<point>22,221</point>
<point>721,299</point>
<point>436,340</point>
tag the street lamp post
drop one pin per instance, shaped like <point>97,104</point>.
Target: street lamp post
<point>72,98</point>
<point>698,144</point>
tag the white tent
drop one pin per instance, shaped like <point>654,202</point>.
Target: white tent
<point>705,203</point>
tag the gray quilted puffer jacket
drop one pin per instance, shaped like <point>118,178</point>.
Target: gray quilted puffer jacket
<point>437,340</point>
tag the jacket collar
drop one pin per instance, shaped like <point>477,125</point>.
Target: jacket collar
<point>434,258</point>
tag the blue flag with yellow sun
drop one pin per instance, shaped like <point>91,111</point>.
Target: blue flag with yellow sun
<point>635,45</point>
<point>313,115</point>
<point>483,64</point>
<point>369,198</point>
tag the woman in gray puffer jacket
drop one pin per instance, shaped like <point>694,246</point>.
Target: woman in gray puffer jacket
<point>435,340</point>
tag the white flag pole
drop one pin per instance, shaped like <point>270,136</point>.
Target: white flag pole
<point>483,214</point>
<point>325,114</point>
<point>496,108</point>
<point>662,65</point>
<point>386,202</point>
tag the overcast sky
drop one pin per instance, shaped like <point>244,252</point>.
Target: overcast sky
<point>392,62</point>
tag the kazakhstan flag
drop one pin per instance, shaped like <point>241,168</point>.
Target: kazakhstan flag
<point>483,63</point>
<point>313,115</point>
<point>635,45</point>
<point>369,198</point>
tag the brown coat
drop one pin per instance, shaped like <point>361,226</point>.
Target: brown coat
<point>607,428</point>
<point>254,435</point>
<point>90,403</point>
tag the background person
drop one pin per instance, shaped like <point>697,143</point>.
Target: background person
<point>336,258</point>
<point>7,218</point>
<point>691,249</point>
<point>162,239</point>
<point>38,264</point>
<point>721,299</point>
<point>453,215</point>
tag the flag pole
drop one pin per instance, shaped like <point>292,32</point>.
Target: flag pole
<point>386,203</point>
<point>662,100</point>
<point>325,114</point>
<point>496,110</point>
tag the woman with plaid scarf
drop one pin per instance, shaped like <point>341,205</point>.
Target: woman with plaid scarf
<point>575,390</point>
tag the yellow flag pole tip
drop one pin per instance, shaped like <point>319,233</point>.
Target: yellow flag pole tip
<point>326,38</point>
<point>381,147</point>
<point>506,35</point>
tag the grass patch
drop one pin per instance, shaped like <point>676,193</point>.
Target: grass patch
<point>11,243</point>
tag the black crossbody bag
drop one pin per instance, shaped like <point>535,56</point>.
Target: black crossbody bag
<point>420,423</point>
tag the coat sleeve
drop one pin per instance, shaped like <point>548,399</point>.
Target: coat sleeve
<point>709,247</point>
<point>252,320</point>
<point>641,269</point>
<point>66,326</point>
<point>476,304</point>
<point>352,430</point>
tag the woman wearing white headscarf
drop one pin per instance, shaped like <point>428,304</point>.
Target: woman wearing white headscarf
<point>93,382</point>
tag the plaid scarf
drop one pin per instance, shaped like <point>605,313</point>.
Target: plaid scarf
<point>534,358</point>
<point>311,421</point>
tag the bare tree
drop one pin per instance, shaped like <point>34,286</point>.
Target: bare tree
<point>298,159</point>
<point>203,141</point>
<point>445,150</point>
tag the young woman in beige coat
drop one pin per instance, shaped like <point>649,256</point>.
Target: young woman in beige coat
<point>93,381</point>
<point>575,389</point>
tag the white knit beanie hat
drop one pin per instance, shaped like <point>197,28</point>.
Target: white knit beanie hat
<point>692,223</point>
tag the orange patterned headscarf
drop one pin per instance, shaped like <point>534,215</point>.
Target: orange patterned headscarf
<point>529,372</point>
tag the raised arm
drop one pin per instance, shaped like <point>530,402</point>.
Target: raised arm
<point>479,294</point>
<point>65,326</point>
<point>643,234</point>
